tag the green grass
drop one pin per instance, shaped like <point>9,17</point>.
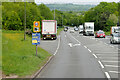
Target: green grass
<point>107,33</point>
<point>0,50</point>
<point>18,56</point>
<point>59,30</point>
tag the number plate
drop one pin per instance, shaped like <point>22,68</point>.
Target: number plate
<point>48,35</point>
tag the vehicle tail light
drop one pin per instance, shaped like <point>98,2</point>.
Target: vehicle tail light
<point>44,35</point>
<point>52,35</point>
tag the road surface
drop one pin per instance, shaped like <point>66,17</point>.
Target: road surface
<point>81,56</point>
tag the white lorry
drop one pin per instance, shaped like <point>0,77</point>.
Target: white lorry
<point>115,29</point>
<point>80,29</point>
<point>49,29</point>
<point>88,28</point>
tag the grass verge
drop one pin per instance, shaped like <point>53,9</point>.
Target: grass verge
<point>18,56</point>
<point>0,50</point>
<point>59,30</point>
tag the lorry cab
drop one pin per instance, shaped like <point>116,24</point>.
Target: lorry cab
<point>88,28</point>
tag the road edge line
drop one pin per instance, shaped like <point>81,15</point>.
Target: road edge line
<point>50,58</point>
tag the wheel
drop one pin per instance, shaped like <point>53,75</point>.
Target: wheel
<point>111,42</point>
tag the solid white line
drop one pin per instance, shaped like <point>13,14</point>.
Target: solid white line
<point>112,66</point>
<point>101,64</point>
<point>95,56</point>
<point>108,76</point>
<point>89,50</point>
<point>85,46</point>
<point>111,61</point>
<point>57,47</point>
<point>114,72</point>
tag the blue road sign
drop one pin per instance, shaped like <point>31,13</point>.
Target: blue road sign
<point>35,38</point>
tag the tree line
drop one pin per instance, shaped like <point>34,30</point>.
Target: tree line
<point>104,15</point>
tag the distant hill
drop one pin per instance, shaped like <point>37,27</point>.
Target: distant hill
<point>69,7</point>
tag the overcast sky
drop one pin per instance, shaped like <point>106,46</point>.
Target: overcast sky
<point>74,1</point>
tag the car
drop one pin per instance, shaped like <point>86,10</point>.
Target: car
<point>65,29</point>
<point>115,38</point>
<point>76,29</point>
<point>71,31</point>
<point>100,34</point>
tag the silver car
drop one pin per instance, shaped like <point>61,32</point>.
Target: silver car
<point>115,38</point>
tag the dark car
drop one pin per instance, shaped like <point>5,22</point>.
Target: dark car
<point>100,34</point>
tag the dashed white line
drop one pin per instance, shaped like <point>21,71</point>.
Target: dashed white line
<point>114,72</point>
<point>57,47</point>
<point>111,61</point>
<point>111,46</point>
<point>101,64</point>
<point>112,66</point>
<point>85,46</point>
<point>95,56</point>
<point>89,50</point>
<point>107,75</point>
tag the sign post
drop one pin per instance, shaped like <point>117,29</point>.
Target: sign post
<point>36,35</point>
<point>36,50</point>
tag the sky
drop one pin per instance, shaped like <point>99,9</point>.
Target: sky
<point>74,1</point>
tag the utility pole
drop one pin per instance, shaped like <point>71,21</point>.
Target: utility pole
<point>54,13</point>
<point>25,20</point>
<point>62,20</point>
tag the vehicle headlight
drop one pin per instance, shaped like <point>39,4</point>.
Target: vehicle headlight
<point>115,39</point>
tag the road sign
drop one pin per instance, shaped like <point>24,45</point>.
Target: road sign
<point>35,38</point>
<point>36,26</point>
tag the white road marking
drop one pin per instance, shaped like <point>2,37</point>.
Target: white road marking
<point>105,43</point>
<point>85,46</point>
<point>112,66</point>
<point>57,47</point>
<point>76,45</point>
<point>101,64</point>
<point>111,61</point>
<point>114,72</point>
<point>76,40</point>
<point>70,44</point>
<point>65,35</point>
<point>95,56</point>
<point>89,50</point>
<point>107,75</point>
<point>111,46</point>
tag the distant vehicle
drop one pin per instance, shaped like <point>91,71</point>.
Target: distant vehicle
<point>49,29</point>
<point>115,38</point>
<point>100,34</point>
<point>115,29</point>
<point>71,31</point>
<point>88,28</point>
<point>80,29</point>
<point>65,29</point>
<point>76,29</point>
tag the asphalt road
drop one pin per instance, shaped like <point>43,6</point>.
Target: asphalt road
<point>78,56</point>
